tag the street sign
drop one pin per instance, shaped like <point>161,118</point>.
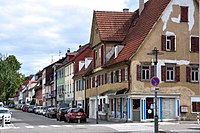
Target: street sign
<point>155,88</point>
<point>155,81</point>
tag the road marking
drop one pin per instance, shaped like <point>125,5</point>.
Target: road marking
<point>55,125</point>
<point>43,126</point>
<point>29,126</point>
<point>67,125</point>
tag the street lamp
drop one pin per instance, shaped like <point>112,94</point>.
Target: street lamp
<point>155,52</point>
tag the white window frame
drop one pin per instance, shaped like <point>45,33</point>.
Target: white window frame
<point>171,72</point>
<point>168,43</point>
<point>145,71</point>
<point>194,74</point>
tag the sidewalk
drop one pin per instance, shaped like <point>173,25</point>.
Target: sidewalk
<point>93,121</point>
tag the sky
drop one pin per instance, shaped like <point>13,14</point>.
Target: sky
<point>38,32</point>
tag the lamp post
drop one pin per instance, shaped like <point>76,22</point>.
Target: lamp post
<point>96,85</point>
<point>155,52</point>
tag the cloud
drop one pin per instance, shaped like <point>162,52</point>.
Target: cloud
<point>36,30</point>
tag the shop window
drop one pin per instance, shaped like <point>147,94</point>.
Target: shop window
<point>195,104</point>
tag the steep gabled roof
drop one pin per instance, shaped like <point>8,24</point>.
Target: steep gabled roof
<point>140,28</point>
<point>113,26</point>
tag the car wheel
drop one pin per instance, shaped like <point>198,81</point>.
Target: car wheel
<point>68,120</point>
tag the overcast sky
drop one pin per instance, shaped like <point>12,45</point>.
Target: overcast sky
<point>36,30</point>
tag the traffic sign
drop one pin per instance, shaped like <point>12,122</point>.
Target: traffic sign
<point>155,81</point>
<point>155,88</point>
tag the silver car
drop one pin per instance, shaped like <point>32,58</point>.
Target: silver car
<point>6,113</point>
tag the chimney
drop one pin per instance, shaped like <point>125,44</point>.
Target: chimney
<point>79,46</point>
<point>68,50</point>
<point>125,10</point>
<point>141,6</point>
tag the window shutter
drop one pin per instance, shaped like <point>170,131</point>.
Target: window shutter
<point>177,73</point>
<point>93,81</point>
<point>111,77</point>
<point>163,70</point>
<point>139,72</point>
<point>102,79</point>
<point>188,71</point>
<point>102,55</point>
<point>194,44</point>
<point>123,74</point>
<point>172,43</point>
<point>163,42</point>
<point>106,78</point>
<point>98,79</point>
<point>117,75</point>
<point>184,14</point>
<point>94,59</point>
<point>152,71</point>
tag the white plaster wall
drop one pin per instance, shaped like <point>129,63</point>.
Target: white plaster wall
<point>166,15</point>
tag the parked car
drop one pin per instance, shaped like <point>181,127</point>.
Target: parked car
<point>40,110</point>
<point>61,113</point>
<point>47,112</point>
<point>37,109</point>
<point>75,114</point>
<point>30,108</point>
<point>25,108</point>
<point>6,113</point>
<point>52,112</point>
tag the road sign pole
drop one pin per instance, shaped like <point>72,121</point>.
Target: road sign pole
<point>154,82</point>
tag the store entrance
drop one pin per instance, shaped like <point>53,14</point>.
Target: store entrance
<point>136,109</point>
<point>149,108</point>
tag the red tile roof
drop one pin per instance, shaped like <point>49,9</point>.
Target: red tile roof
<point>140,28</point>
<point>113,26</point>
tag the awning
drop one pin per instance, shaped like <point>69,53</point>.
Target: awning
<point>115,92</point>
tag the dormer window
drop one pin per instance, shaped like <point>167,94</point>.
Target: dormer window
<point>118,48</point>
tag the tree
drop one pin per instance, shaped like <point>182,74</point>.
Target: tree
<point>10,77</point>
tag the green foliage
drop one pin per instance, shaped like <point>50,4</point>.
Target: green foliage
<point>10,78</point>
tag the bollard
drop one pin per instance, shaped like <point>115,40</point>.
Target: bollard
<point>3,121</point>
<point>79,121</point>
<point>197,118</point>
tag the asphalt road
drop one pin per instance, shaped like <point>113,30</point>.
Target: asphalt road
<point>23,122</point>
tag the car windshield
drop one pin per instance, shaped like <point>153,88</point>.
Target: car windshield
<point>4,111</point>
<point>77,110</point>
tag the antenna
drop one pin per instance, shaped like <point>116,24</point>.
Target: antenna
<point>51,59</point>
<point>59,54</point>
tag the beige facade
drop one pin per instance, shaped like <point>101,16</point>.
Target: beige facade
<point>182,56</point>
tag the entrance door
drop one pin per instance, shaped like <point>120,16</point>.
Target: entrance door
<point>149,108</point>
<point>136,109</point>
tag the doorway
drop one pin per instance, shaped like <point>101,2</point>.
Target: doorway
<point>136,109</point>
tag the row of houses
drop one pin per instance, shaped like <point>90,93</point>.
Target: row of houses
<point>115,66</point>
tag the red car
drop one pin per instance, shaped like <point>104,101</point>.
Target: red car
<point>25,108</point>
<point>75,114</point>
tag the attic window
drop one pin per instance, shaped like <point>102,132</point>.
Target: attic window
<point>118,48</point>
